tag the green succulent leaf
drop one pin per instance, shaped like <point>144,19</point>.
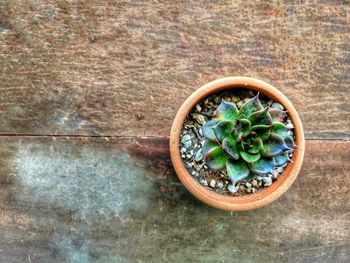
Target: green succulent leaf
<point>249,158</point>
<point>223,129</point>
<point>250,106</point>
<point>239,136</point>
<point>281,159</point>
<point>289,142</point>
<point>273,146</point>
<point>261,117</point>
<point>242,126</point>
<point>262,166</point>
<point>276,114</point>
<point>227,111</point>
<point>279,129</point>
<point>216,158</point>
<point>248,137</point>
<point>230,147</point>
<point>264,135</point>
<point>237,170</point>
<point>208,146</point>
<point>257,146</point>
<point>260,127</point>
<point>207,130</point>
<point>240,146</point>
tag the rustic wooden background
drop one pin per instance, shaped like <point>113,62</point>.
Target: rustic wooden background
<point>88,92</point>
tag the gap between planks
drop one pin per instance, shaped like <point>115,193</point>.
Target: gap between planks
<point>333,136</point>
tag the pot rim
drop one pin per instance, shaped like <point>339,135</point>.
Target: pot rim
<point>261,197</point>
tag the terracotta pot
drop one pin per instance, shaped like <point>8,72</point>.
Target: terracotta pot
<point>249,201</point>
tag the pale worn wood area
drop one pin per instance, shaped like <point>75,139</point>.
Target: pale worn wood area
<point>91,67</point>
<point>118,200</point>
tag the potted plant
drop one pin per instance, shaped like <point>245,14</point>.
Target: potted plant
<point>237,143</point>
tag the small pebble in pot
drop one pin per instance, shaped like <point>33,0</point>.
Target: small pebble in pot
<point>247,184</point>
<point>239,104</point>
<point>277,105</point>
<point>255,183</point>
<point>279,170</point>
<point>220,184</point>
<point>274,174</point>
<point>259,178</point>
<point>199,118</point>
<point>187,144</point>
<point>254,190</point>
<point>290,126</point>
<point>249,190</point>
<point>212,183</point>
<point>189,165</point>
<point>199,156</point>
<point>232,188</point>
<point>217,100</point>
<point>200,132</point>
<point>267,181</point>
<point>198,107</point>
<point>235,99</point>
<point>203,182</point>
<point>185,138</point>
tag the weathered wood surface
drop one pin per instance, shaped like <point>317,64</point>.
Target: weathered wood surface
<point>118,200</point>
<point>124,67</point>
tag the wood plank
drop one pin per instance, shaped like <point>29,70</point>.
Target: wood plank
<point>118,200</point>
<point>124,67</point>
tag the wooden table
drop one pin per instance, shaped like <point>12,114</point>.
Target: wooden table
<point>88,91</point>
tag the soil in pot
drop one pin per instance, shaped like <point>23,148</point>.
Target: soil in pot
<point>192,140</point>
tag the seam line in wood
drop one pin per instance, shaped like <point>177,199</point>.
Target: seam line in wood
<point>309,136</point>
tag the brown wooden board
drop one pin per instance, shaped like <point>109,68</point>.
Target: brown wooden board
<point>75,75</point>
<point>118,200</point>
<point>124,67</point>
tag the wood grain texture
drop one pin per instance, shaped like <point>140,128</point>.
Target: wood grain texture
<point>124,67</point>
<point>118,200</point>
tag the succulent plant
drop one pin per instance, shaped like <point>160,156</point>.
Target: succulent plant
<point>247,142</point>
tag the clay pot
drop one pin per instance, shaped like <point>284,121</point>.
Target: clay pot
<point>249,201</point>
